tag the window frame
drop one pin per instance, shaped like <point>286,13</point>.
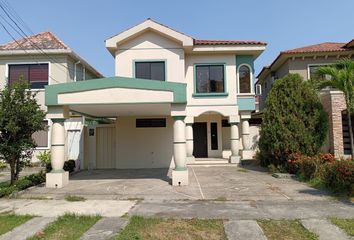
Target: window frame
<point>150,61</point>
<point>213,94</point>
<point>251,79</point>
<point>49,135</point>
<point>314,65</point>
<point>7,71</point>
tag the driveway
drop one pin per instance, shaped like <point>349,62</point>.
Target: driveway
<point>206,183</point>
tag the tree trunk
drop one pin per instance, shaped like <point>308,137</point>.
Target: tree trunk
<point>350,132</point>
<point>13,169</point>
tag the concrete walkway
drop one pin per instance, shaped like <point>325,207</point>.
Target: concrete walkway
<point>106,228</point>
<point>324,229</point>
<point>243,229</point>
<point>27,229</point>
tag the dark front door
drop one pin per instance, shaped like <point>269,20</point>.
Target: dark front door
<point>200,142</point>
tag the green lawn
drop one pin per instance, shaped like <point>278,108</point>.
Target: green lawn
<point>10,221</point>
<point>140,228</point>
<point>346,224</point>
<point>285,230</point>
<point>67,227</point>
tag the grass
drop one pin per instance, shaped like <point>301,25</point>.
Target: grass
<point>285,230</point>
<point>140,228</point>
<point>346,224</point>
<point>10,221</point>
<point>67,227</point>
<point>74,198</point>
<point>244,170</point>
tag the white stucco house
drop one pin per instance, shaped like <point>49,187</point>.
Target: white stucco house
<point>174,100</point>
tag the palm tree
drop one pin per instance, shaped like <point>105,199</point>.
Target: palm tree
<point>341,76</point>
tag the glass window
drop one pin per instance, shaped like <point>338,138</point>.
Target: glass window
<point>245,79</point>
<point>214,135</point>
<point>36,74</point>
<point>315,75</point>
<point>41,137</point>
<point>210,79</point>
<point>150,70</point>
<point>150,122</point>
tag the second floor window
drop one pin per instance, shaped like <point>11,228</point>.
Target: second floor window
<point>150,70</point>
<point>314,75</point>
<point>245,79</point>
<point>210,79</point>
<point>36,74</point>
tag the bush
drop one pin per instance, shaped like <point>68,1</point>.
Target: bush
<point>339,176</point>
<point>294,121</point>
<point>3,165</point>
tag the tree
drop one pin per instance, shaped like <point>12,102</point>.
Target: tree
<point>341,77</point>
<point>294,121</point>
<point>20,117</point>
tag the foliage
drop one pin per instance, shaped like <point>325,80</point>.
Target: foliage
<point>10,221</point>
<point>334,174</point>
<point>294,121</point>
<point>74,198</point>
<point>346,224</point>
<point>3,165</point>
<point>7,189</point>
<point>20,117</point>
<point>44,157</point>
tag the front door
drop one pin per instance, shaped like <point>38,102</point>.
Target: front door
<point>200,143</point>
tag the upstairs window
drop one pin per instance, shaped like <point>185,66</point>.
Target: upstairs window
<point>210,79</point>
<point>244,73</point>
<point>36,74</point>
<point>314,75</point>
<point>150,70</point>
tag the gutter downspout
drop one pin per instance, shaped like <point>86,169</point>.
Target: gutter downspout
<point>78,62</point>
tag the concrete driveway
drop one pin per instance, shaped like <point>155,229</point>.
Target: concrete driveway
<point>206,183</point>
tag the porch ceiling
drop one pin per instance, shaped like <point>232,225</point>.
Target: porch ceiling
<point>117,96</point>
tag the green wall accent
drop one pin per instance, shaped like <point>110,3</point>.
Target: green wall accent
<point>246,103</point>
<point>245,59</point>
<point>52,91</point>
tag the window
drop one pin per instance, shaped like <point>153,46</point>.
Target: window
<point>214,135</point>
<point>150,70</point>
<point>150,122</point>
<point>244,73</point>
<point>36,74</point>
<point>210,79</point>
<point>41,137</point>
<point>313,74</point>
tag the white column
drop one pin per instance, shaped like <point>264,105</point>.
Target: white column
<point>246,153</point>
<point>234,158</point>
<point>189,142</point>
<point>180,173</point>
<point>57,178</point>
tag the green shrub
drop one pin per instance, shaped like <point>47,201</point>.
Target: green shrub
<point>294,121</point>
<point>339,176</point>
<point>3,165</point>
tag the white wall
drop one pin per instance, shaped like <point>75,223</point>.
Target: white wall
<point>151,46</point>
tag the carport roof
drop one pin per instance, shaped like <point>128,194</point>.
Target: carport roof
<point>52,91</point>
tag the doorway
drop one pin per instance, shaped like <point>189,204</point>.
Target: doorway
<point>200,143</point>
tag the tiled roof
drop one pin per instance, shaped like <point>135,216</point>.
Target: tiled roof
<point>322,47</point>
<point>227,42</point>
<point>44,40</point>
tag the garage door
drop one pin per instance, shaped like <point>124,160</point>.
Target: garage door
<point>105,147</point>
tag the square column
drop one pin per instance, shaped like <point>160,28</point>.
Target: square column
<point>180,173</point>
<point>57,178</point>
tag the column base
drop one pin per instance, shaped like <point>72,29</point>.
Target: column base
<point>235,159</point>
<point>247,154</point>
<point>190,159</point>
<point>56,180</point>
<point>180,178</point>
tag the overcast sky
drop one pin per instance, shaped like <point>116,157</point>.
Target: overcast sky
<point>84,25</point>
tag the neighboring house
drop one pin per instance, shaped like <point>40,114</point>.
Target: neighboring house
<point>305,61</point>
<point>174,100</point>
<point>43,60</point>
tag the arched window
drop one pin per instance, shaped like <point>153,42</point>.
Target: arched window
<point>244,73</point>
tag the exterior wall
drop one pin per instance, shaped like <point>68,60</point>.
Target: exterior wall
<point>151,46</point>
<point>334,103</point>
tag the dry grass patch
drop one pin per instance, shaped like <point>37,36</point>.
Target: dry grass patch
<point>285,230</point>
<point>140,228</point>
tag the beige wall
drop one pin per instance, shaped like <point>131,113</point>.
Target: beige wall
<point>151,46</point>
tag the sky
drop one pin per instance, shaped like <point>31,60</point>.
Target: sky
<point>283,24</point>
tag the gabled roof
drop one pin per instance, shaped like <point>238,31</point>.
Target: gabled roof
<point>43,40</point>
<point>184,39</point>
<point>321,48</point>
<point>43,43</point>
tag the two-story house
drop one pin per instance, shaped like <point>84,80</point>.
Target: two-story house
<point>174,100</point>
<point>305,61</point>
<point>43,59</point>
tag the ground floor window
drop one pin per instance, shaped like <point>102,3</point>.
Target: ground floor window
<point>41,137</point>
<point>345,131</point>
<point>214,135</point>
<point>150,122</point>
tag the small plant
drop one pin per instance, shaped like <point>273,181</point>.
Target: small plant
<point>44,157</point>
<point>3,165</point>
<point>74,198</point>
